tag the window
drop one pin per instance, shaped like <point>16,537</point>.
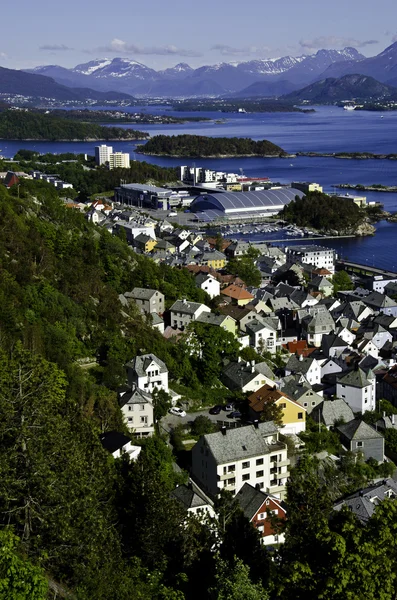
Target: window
<point>259,473</point>
<point>305,404</point>
<point>231,468</point>
<point>130,408</point>
<point>360,444</point>
<point>262,516</point>
<point>300,415</point>
<point>246,477</point>
<point>313,403</point>
<point>144,420</point>
<point>141,407</point>
<point>246,465</point>
<point>259,461</point>
<point>130,419</point>
<point>260,528</point>
<point>283,405</point>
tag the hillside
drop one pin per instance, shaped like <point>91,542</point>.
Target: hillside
<point>266,89</point>
<point>200,146</point>
<point>40,86</point>
<point>21,125</point>
<point>348,87</point>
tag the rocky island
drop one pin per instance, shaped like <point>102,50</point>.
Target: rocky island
<point>198,146</point>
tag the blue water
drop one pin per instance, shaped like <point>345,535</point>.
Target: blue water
<point>329,129</point>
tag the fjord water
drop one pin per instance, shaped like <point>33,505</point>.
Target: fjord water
<point>328,129</point>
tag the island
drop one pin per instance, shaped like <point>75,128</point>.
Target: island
<point>348,155</point>
<point>199,146</point>
<point>327,214</point>
<point>22,124</point>
<point>238,105</point>
<point>374,187</point>
<point>120,116</point>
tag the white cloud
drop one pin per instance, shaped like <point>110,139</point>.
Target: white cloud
<point>332,41</point>
<point>122,47</point>
<point>226,50</point>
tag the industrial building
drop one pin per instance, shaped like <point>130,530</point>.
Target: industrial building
<point>238,205</point>
<point>150,196</point>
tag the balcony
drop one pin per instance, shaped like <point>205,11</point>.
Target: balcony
<point>275,488</point>
<point>284,463</point>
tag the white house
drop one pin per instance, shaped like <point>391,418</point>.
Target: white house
<point>119,444</point>
<point>137,410</point>
<point>184,312</point>
<point>252,454</point>
<point>209,284</point>
<point>300,365</point>
<point>147,372</point>
<point>263,335</point>
<point>358,389</point>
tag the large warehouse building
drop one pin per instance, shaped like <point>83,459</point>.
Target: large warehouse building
<point>239,205</point>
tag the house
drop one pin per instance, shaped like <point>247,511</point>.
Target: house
<point>244,376</point>
<point>263,335</point>
<point>149,301</point>
<point>357,436</point>
<point>316,325</point>
<point>184,312</point>
<point>332,345</point>
<point>157,322</point>
<point>209,284</point>
<point>259,507</point>
<point>333,411</point>
<point>193,500</point>
<point>387,386</point>
<point>238,295</point>
<point>299,389</point>
<point>307,366</point>
<point>147,372</point>
<point>164,246</point>
<point>358,388</point>
<point>319,256</point>
<point>224,321</point>
<point>144,242</point>
<point>294,415</point>
<point>382,303</point>
<point>119,444</point>
<point>137,410</point>
<point>212,258</point>
<point>252,454</point>
<point>321,284</point>
<point>363,503</point>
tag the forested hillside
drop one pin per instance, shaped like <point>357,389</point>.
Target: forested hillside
<point>201,146</point>
<point>27,125</point>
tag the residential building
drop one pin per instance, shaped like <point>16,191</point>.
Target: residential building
<point>227,323</point>
<point>333,411</point>
<point>229,458</point>
<point>208,284</point>
<point>244,376</point>
<point>363,503</point>
<point>314,326</point>
<point>306,186</point>
<point>307,366</point>
<point>193,500</point>
<point>119,444</point>
<point>119,160</point>
<point>183,312</point>
<point>319,256</point>
<point>294,415</point>
<point>299,389</point>
<point>357,436</point>
<point>263,335</point>
<point>259,508</point>
<point>102,154</point>
<point>358,389</point>
<point>137,410</point>
<point>149,301</point>
<point>212,258</point>
<point>144,243</point>
<point>148,373</point>
<point>238,295</point>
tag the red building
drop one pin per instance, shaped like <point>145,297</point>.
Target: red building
<point>265,512</point>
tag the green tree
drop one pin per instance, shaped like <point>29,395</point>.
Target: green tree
<point>342,281</point>
<point>161,403</point>
<point>202,425</point>
<point>233,583</point>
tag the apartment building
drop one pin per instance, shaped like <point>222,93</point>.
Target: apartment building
<point>102,154</point>
<point>319,256</point>
<point>119,160</point>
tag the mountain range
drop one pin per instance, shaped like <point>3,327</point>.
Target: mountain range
<point>348,87</point>
<point>135,78</point>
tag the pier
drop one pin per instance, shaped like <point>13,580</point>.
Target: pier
<point>356,268</point>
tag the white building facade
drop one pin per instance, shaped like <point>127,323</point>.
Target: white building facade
<point>102,154</point>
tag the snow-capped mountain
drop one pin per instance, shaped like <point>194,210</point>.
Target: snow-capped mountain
<point>134,77</point>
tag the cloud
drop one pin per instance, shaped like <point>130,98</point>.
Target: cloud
<point>3,55</point>
<point>333,41</point>
<point>122,47</point>
<point>226,50</point>
<point>55,47</point>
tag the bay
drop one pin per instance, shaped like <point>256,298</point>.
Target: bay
<point>329,129</point>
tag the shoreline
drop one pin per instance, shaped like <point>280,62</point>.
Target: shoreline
<point>348,155</point>
<point>73,140</point>
<point>217,155</point>
<point>367,188</point>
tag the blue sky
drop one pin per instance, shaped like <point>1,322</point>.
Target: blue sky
<point>161,33</point>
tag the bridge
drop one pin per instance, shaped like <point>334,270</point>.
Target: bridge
<point>363,269</point>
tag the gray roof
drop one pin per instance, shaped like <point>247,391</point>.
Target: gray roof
<point>251,500</point>
<point>299,365</point>
<point>358,430</point>
<point>141,294</point>
<point>264,369</point>
<point>242,442</point>
<point>143,187</point>
<point>140,363</point>
<point>188,497</point>
<point>363,503</point>
<point>135,396</point>
<point>234,201</point>
<point>207,317</point>
<point>239,373</point>
<point>183,306</point>
<point>334,410</point>
<point>356,378</point>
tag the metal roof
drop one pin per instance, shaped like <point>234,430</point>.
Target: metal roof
<point>244,201</point>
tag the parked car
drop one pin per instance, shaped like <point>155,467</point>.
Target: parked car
<point>229,406</point>
<point>236,414</point>
<point>179,412</point>
<point>215,410</point>
<point>173,214</point>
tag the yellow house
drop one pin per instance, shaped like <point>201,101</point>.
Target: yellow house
<point>227,323</point>
<point>294,415</point>
<point>238,295</point>
<point>144,242</point>
<point>213,259</point>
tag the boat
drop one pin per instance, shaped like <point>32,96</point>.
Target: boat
<point>349,107</point>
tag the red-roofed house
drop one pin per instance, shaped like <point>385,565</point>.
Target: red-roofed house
<point>237,294</point>
<point>294,415</point>
<point>261,510</point>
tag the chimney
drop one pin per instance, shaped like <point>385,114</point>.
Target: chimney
<point>184,301</point>
<point>252,363</point>
<point>253,369</point>
<point>223,429</point>
<point>239,359</point>
<point>384,414</point>
<point>300,357</point>
<point>256,423</point>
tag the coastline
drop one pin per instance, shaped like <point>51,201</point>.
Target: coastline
<point>280,155</point>
<point>127,139</point>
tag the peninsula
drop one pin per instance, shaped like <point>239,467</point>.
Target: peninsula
<point>197,146</point>
<point>348,155</point>
<point>28,125</point>
<point>119,116</point>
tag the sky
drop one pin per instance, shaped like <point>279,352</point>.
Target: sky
<point>162,33</point>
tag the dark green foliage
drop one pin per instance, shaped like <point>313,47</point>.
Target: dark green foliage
<point>341,281</point>
<point>323,212</point>
<point>202,425</point>
<point>199,146</point>
<point>245,268</point>
<point>318,438</point>
<point>20,125</point>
